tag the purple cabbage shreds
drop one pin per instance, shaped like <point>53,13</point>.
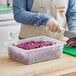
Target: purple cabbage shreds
<point>34,44</point>
<point>71,42</point>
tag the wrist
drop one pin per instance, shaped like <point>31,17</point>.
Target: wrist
<point>49,21</point>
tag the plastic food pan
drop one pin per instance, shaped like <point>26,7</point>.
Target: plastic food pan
<point>35,55</point>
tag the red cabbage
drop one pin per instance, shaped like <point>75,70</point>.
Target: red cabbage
<point>35,44</point>
<point>71,42</point>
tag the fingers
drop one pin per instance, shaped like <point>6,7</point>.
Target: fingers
<point>59,29</point>
<point>51,28</point>
<point>54,28</point>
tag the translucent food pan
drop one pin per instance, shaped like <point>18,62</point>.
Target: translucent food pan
<point>35,55</point>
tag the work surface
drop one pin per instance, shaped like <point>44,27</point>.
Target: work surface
<point>62,66</point>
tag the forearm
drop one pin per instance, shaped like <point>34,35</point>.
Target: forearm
<point>72,25</point>
<point>24,15</point>
<point>71,15</point>
<point>31,18</point>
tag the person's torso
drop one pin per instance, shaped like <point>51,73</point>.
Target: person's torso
<point>54,8</point>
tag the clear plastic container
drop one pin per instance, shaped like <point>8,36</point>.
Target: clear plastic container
<point>35,55</point>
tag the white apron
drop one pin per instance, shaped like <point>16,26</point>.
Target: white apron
<point>54,8</point>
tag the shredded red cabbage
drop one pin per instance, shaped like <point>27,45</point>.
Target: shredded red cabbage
<point>34,44</point>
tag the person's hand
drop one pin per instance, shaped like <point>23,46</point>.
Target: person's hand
<point>53,26</point>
